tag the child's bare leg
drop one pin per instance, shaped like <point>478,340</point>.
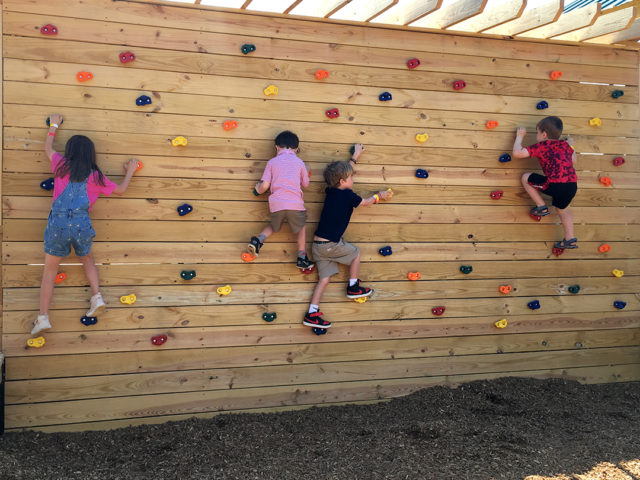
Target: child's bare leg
<point>354,268</point>
<point>51,264</point>
<point>319,290</point>
<point>91,273</point>
<point>533,192</point>
<point>302,239</point>
<point>567,222</point>
<point>267,232</point>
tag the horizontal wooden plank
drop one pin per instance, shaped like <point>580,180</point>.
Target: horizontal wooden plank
<point>107,386</point>
<point>32,230</point>
<point>52,413</point>
<point>268,26</point>
<point>525,336</point>
<point>61,73</point>
<point>409,323</point>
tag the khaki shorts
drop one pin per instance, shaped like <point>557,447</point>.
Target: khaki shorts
<point>296,219</point>
<point>328,255</point>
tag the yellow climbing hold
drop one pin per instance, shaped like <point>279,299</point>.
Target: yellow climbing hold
<point>595,122</point>
<point>618,273</point>
<point>501,323</point>
<point>128,299</point>
<point>36,342</point>
<point>360,300</point>
<point>179,142</point>
<point>223,291</point>
<point>422,137</point>
<point>271,90</point>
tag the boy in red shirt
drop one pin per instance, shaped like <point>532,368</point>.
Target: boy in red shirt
<point>559,181</point>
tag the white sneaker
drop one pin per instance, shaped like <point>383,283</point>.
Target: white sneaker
<point>41,323</point>
<point>97,305</point>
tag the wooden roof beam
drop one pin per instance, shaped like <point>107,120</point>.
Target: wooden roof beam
<point>452,14</point>
<point>568,22</point>
<point>493,16</point>
<point>313,8</point>
<point>363,10</point>
<point>605,24</point>
<point>631,34</point>
<point>530,19</point>
<point>407,11</point>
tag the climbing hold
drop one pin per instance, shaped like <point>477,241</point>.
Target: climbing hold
<point>384,251</point>
<point>84,76</point>
<point>360,300</point>
<point>48,29</point>
<point>413,276</point>
<point>224,291</point>
<point>61,277</point>
<point>139,166</point>
<point>179,141</point>
<point>248,48</point>
<point>126,57</point>
<point>422,137</point>
<point>437,310</point>
<point>255,192</point>
<point>270,316</point>
<point>384,97</point>
<point>143,100</point>
<point>606,181</point>
<point>47,184</point>
<point>505,157</point>
<point>619,304</point>
<point>556,74</point>
<point>271,90</point>
<point>332,113</point>
<point>574,288</point>
<point>604,248</point>
<point>534,304</point>
<point>319,331</point>
<point>352,149</point>
<point>128,299</point>
<point>422,173</point>
<point>321,74</point>
<point>229,124</point>
<point>159,339</point>
<point>87,321</point>
<point>466,269</point>
<point>497,195</point>
<point>505,289</point>
<point>537,218</point>
<point>459,85</point>
<point>184,209</point>
<point>247,257</point>
<point>557,251</point>
<point>542,105</point>
<point>618,161</point>
<point>617,273</point>
<point>188,274</point>
<point>413,63</point>
<point>36,342</point>
<point>617,93</point>
<point>595,122</point>
<point>491,124</point>
<point>48,122</point>
<point>501,323</point>
<point>390,192</point>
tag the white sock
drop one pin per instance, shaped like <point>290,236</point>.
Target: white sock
<point>313,308</point>
<point>352,281</point>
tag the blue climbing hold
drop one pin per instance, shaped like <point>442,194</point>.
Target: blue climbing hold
<point>319,331</point>
<point>143,100</point>
<point>617,93</point>
<point>542,105</point>
<point>619,304</point>
<point>184,209</point>
<point>466,269</point>
<point>505,157</point>
<point>188,274</point>
<point>534,304</point>
<point>574,288</point>
<point>248,48</point>
<point>86,321</point>
<point>269,316</point>
<point>422,173</point>
<point>384,251</point>
<point>47,184</point>
<point>385,97</point>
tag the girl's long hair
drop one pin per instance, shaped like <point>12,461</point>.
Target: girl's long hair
<point>79,161</point>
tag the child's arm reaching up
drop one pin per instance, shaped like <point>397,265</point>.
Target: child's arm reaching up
<point>130,168</point>
<point>262,186</point>
<point>55,119</point>
<point>376,197</point>
<point>574,156</point>
<point>518,150</point>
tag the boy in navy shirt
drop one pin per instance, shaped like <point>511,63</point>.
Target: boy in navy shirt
<point>559,181</point>
<point>329,248</point>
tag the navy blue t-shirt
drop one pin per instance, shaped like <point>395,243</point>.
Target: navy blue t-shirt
<point>336,213</point>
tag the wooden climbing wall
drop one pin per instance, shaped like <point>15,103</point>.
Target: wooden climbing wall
<point>220,355</point>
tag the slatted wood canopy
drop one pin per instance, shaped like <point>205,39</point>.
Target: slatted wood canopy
<point>221,356</point>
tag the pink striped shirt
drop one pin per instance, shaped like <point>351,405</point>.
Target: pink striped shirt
<point>287,175</point>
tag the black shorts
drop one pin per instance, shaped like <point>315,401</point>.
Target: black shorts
<point>560,193</point>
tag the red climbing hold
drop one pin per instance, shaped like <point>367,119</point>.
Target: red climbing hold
<point>126,57</point>
<point>557,251</point>
<point>413,63</point>
<point>556,74</point>
<point>459,85</point>
<point>49,29</point>
<point>437,310</point>
<point>497,195</point>
<point>618,161</point>
<point>159,340</point>
<point>537,218</point>
<point>332,113</point>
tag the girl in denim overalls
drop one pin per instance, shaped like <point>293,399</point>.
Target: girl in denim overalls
<point>78,182</point>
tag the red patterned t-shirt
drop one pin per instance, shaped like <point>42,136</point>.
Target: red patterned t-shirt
<point>555,159</point>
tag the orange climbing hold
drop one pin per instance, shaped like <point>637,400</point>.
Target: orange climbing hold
<point>413,276</point>
<point>505,289</point>
<point>606,181</point>
<point>229,124</point>
<point>604,248</point>
<point>491,124</point>
<point>61,277</point>
<point>321,74</point>
<point>84,76</point>
<point>556,74</point>
<point>248,257</point>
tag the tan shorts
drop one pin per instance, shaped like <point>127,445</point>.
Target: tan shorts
<point>295,218</point>
<point>328,255</point>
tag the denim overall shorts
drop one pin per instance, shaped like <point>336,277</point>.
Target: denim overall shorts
<point>69,222</point>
